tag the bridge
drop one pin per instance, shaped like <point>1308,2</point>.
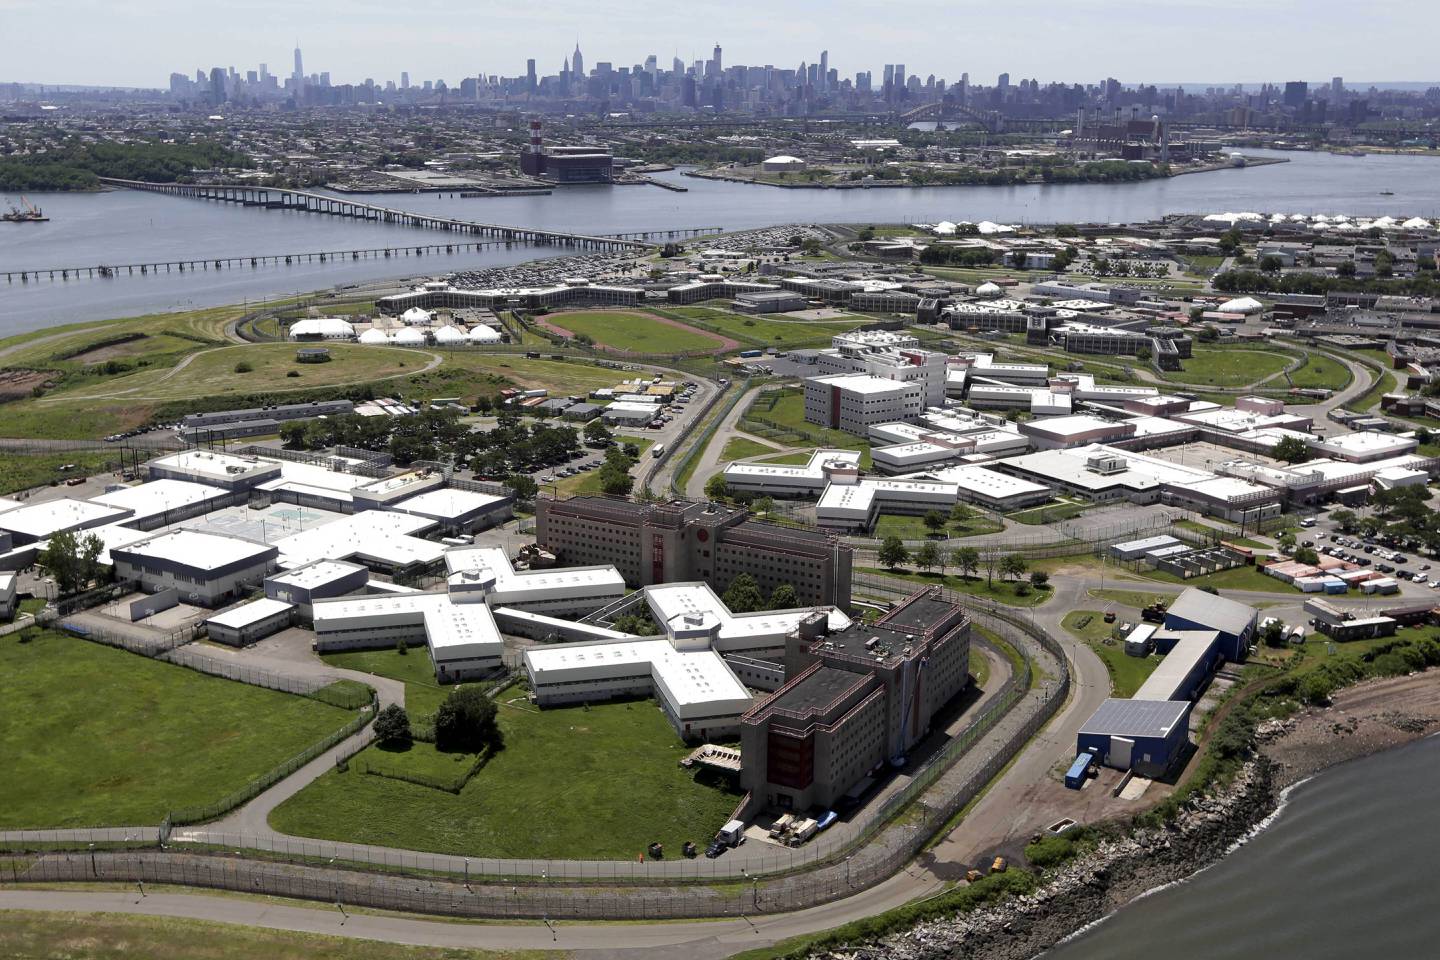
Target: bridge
<point>277,198</point>
<point>940,110</point>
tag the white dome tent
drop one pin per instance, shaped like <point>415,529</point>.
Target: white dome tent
<point>449,335</point>
<point>988,289</point>
<point>408,337</point>
<point>483,334</point>
<point>373,336</point>
<point>415,316</point>
<point>1245,305</point>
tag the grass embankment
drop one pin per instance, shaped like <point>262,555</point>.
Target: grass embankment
<point>574,782</point>
<point>1381,385</point>
<point>1057,512</point>
<point>632,332</point>
<point>111,936</point>
<point>1217,533</point>
<point>21,471</point>
<point>1127,673</point>
<point>1000,590</point>
<point>1321,371</point>
<point>780,415</point>
<point>92,735</point>
<point>741,448</point>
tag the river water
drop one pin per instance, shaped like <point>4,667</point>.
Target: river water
<point>1341,873</point>
<point>130,227</point>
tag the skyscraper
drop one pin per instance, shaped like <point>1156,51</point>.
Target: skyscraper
<point>824,68</point>
<point>530,79</point>
<point>719,67</point>
<point>577,63</point>
<point>299,67</point>
<point>404,79</point>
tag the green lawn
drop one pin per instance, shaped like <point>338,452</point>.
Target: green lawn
<point>1050,513</point>
<point>596,783</point>
<point>1239,578</point>
<point>1127,673</point>
<point>790,458</point>
<point>1135,599</point>
<point>1228,366</point>
<point>913,528</point>
<point>92,735</point>
<point>768,331</point>
<point>587,483</point>
<point>1210,531</point>
<point>422,693</point>
<point>1001,591</point>
<point>113,936</point>
<point>1321,371</point>
<point>788,410</point>
<point>742,448</point>
<point>633,332</point>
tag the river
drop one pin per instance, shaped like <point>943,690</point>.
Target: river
<point>1340,873</point>
<point>129,227</point>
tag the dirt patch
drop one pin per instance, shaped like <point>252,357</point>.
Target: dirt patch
<point>726,344</point>
<point>19,384</point>
<point>113,351</point>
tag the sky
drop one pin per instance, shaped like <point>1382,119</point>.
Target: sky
<point>140,42</point>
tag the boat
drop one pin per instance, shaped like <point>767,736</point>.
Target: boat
<point>1387,193</point>
<point>27,213</point>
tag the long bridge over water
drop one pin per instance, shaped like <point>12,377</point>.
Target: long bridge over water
<point>279,198</point>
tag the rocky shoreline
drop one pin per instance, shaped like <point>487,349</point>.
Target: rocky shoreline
<point>1364,720</point>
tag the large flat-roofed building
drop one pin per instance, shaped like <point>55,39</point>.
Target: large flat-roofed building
<point>1364,447</point>
<point>484,574</point>
<point>1232,620</point>
<point>249,622</point>
<point>37,521</point>
<point>1054,433</point>
<point>768,301</point>
<point>463,639</point>
<point>853,700</point>
<point>253,421</point>
<point>677,541</point>
<point>793,480</point>
<point>855,402</point>
<point>204,568</point>
<point>160,503</point>
<point>459,511</point>
<point>379,539</point>
<point>224,470</point>
<point>318,580</point>
<point>873,356</point>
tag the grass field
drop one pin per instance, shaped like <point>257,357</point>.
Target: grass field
<point>589,482</point>
<point>789,412</point>
<point>1002,591</point>
<point>422,693</point>
<point>1210,531</point>
<point>913,528</point>
<point>741,448</point>
<point>1050,513</point>
<point>764,331</point>
<point>632,332</point>
<point>93,735</point>
<point>790,458</point>
<point>1127,673</point>
<point>1386,383</point>
<point>1227,367</point>
<point>21,471</point>
<point>1239,578</point>
<point>596,783</point>
<point>112,936</point>
<point>1321,371</point>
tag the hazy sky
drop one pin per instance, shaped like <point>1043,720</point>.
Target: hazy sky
<point>139,42</point>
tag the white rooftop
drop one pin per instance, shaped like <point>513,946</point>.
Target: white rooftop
<point>447,503</point>
<point>201,551</point>
<point>247,613</point>
<point>158,497</point>
<point>40,520</point>
<point>378,535</point>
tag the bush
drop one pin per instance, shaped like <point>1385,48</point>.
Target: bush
<point>293,373</point>
<point>244,366</point>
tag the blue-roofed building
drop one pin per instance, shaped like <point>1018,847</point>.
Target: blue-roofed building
<point>1146,736</point>
<point>1235,622</point>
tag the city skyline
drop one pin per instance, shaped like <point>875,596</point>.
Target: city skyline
<point>373,40</point>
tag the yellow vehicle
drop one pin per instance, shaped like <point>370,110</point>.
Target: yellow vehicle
<point>998,865</point>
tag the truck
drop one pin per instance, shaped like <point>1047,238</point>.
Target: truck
<point>1079,771</point>
<point>732,834</point>
<point>781,825</point>
<point>657,450</point>
<point>803,831</point>
<point>1155,613</point>
<point>751,354</point>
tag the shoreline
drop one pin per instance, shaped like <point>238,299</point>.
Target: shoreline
<point>1363,720</point>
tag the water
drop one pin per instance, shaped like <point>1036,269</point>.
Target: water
<point>1339,874</point>
<point>129,227</point>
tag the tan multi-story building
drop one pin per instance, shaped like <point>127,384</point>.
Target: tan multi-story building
<point>679,541</point>
<point>853,700</point>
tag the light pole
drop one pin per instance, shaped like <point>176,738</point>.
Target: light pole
<point>467,873</point>
<point>93,871</point>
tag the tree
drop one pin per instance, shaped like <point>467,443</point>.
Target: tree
<point>927,556</point>
<point>893,553</point>
<point>942,559</point>
<point>392,727</point>
<point>1346,269</point>
<point>763,505</point>
<point>968,560</point>
<point>934,521</point>
<point>991,561</point>
<point>1039,579</point>
<point>1344,519</point>
<point>1013,565</point>
<point>1307,555</point>
<point>1143,354</point>
<point>615,480</point>
<point>1271,264</point>
<point>73,561</point>
<point>743,595</point>
<point>1292,450</point>
<point>465,722</point>
<point>597,434</point>
<point>1273,634</point>
<point>523,486</point>
<point>716,488</point>
<point>783,597</point>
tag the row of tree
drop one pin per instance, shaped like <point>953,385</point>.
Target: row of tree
<point>969,561</point>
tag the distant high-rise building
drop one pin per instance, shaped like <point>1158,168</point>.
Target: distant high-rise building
<point>1337,86</point>
<point>652,66</point>
<point>531,82</point>
<point>1296,92</point>
<point>299,68</point>
<point>404,79</point>
<point>719,66</point>
<point>577,63</point>
<point>1004,83</point>
<point>824,69</point>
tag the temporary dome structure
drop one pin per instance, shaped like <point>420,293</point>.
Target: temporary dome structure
<point>374,336</point>
<point>988,289</point>
<point>415,315</point>
<point>449,335</point>
<point>408,337</point>
<point>1242,305</point>
<point>483,334</point>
